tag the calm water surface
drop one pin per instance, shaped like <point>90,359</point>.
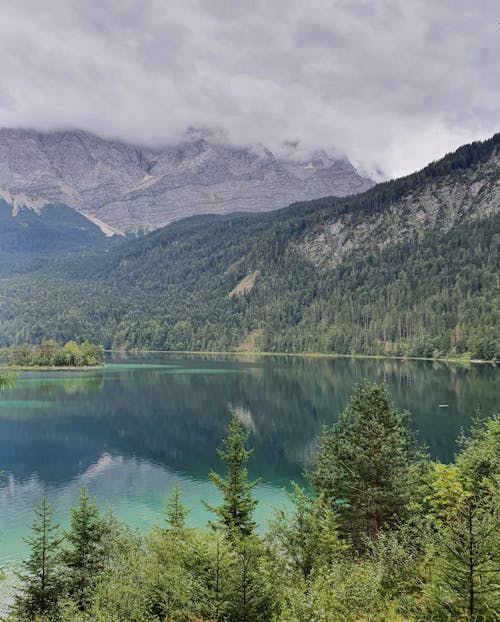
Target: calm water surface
<point>131,431</point>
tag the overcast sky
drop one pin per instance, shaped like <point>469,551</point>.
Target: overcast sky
<point>392,84</point>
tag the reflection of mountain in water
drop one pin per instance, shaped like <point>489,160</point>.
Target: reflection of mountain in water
<point>135,489</point>
<point>176,416</point>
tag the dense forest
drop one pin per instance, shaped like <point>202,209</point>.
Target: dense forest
<point>383,534</point>
<point>252,282</point>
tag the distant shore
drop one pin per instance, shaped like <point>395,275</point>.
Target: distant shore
<point>326,355</point>
<point>50,367</point>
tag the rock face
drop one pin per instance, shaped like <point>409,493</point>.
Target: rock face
<point>124,188</point>
<point>439,205</point>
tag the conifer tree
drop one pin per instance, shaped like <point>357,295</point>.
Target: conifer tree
<point>40,575</point>
<point>171,583</point>
<point>308,537</point>
<point>215,575</point>
<point>85,555</point>
<point>235,513</point>
<point>250,594</point>
<point>365,466</point>
<point>176,511</point>
<point>467,565</point>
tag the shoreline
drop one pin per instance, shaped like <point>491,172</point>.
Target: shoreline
<point>326,355</point>
<point>15,368</point>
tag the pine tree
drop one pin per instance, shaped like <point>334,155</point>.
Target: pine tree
<point>366,465</point>
<point>467,565</point>
<point>215,575</point>
<point>40,575</point>
<point>176,511</point>
<point>250,597</point>
<point>171,585</point>
<point>85,555</point>
<point>307,538</point>
<point>235,513</point>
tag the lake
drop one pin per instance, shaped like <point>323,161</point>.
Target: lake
<point>146,423</point>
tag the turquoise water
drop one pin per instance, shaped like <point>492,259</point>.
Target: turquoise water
<point>138,427</point>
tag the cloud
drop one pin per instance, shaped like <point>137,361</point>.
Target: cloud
<point>393,84</point>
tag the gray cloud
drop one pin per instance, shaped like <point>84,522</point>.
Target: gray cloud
<point>392,84</point>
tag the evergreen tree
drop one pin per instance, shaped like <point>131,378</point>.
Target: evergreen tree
<point>171,585</point>
<point>250,594</point>
<point>479,459</point>
<point>308,538</point>
<point>235,512</point>
<point>215,575</point>
<point>40,575</point>
<point>467,565</point>
<point>365,465</point>
<point>176,511</point>
<point>171,562</point>
<point>85,555</point>
<point>120,594</point>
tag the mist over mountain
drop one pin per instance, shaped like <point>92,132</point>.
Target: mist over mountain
<point>125,188</point>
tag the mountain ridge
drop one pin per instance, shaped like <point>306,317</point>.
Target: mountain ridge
<point>131,188</point>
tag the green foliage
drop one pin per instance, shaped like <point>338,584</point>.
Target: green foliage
<point>7,380</point>
<point>171,575</point>
<point>306,539</point>
<point>466,566</point>
<point>213,559</point>
<point>466,582</point>
<point>122,591</point>
<point>348,592</point>
<point>446,492</point>
<point>365,466</point>
<point>479,461</point>
<point>175,511</point>
<point>40,575</point>
<point>85,552</point>
<point>251,594</point>
<point>50,354</point>
<point>235,512</point>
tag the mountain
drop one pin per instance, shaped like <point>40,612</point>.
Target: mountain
<point>31,234</point>
<point>26,229</point>
<point>124,188</point>
<point>408,268</point>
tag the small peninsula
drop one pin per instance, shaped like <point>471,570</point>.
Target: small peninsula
<point>50,355</point>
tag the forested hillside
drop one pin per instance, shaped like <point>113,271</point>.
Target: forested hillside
<point>410,267</point>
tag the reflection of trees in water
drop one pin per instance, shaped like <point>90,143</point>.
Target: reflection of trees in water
<point>181,418</point>
<point>71,384</point>
<point>178,419</point>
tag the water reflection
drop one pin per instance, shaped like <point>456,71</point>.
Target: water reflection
<point>144,423</point>
<point>134,489</point>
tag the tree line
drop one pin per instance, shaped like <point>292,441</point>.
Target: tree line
<point>50,354</point>
<point>382,534</point>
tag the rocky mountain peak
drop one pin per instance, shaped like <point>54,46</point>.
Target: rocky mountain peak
<point>128,188</point>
